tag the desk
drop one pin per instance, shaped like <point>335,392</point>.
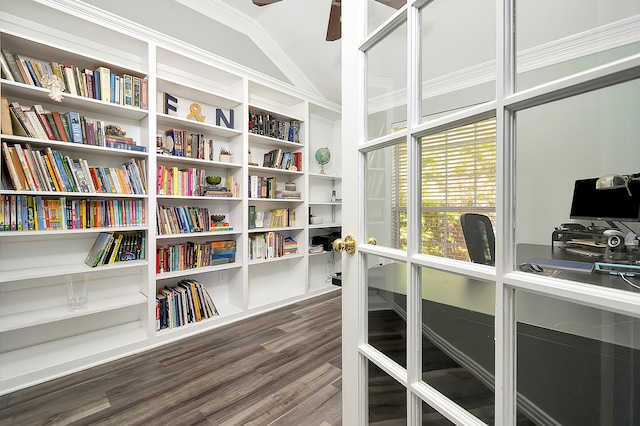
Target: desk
<point>524,252</point>
<point>576,364</point>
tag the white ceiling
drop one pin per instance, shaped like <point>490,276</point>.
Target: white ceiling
<point>292,34</point>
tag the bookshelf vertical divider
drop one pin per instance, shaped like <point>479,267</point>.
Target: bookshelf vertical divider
<point>198,239</point>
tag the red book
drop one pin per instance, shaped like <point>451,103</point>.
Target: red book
<point>42,116</point>
<point>60,126</point>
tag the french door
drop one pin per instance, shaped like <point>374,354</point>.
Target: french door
<point>437,105</point>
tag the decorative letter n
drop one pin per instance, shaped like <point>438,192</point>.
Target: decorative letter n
<point>220,116</point>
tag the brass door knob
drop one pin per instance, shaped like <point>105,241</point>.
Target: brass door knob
<point>348,244</point>
<point>372,241</point>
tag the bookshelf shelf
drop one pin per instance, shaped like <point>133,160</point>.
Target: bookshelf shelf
<point>196,162</point>
<point>269,142</point>
<point>58,313</point>
<point>196,235</point>
<point>193,271</point>
<point>263,230</point>
<point>55,233</point>
<point>271,170</point>
<point>275,259</point>
<point>166,122</point>
<point>65,350</point>
<point>324,176</point>
<point>61,270</point>
<point>326,225</point>
<point>74,147</point>
<point>38,95</point>
<point>325,203</point>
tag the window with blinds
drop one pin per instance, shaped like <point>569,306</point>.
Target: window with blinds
<point>458,176</point>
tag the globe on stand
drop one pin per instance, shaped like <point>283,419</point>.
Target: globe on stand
<point>323,155</point>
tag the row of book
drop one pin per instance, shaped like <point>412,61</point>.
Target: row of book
<point>270,245</point>
<point>49,170</point>
<point>182,144</point>
<point>283,160</point>
<point>191,182</point>
<point>186,302</point>
<point>100,83</point>
<point>112,247</point>
<point>35,213</point>
<point>36,122</point>
<point>269,125</point>
<point>190,255</point>
<point>187,219</point>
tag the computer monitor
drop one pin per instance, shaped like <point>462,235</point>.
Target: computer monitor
<point>605,204</point>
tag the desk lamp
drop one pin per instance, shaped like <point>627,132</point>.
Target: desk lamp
<point>616,182</point>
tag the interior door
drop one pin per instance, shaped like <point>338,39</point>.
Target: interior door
<point>376,270</point>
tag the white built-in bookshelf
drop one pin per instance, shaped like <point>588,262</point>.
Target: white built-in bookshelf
<point>208,100</point>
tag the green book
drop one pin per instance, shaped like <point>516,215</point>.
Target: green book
<point>52,123</point>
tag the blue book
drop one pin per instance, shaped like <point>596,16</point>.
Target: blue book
<point>34,76</point>
<point>40,213</point>
<point>113,86</point>
<point>96,85</point>
<point>65,179</point>
<point>75,126</point>
<point>25,212</point>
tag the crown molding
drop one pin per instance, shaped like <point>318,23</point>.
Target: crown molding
<point>117,23</point>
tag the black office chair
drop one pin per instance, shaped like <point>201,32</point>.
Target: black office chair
<point>479,238</point>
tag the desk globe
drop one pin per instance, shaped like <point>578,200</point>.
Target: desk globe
<point>323,155</point>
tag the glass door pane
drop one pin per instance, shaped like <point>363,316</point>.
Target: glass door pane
<point>576,365</point>
<point>387,84</point>
<point>458,53</point>
<point>458,339</point>
<point>563,148</point>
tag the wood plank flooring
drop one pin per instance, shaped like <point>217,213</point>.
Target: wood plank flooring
<point>282,368</point>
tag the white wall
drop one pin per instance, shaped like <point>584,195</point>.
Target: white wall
<point>582,137</point>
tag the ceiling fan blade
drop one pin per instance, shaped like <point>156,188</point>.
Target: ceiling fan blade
<point>334,28</point>
<point>396,4</point>
<point>264,2</point>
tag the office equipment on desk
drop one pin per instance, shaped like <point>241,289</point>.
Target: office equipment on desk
<point>583,242</point>
<point>629,270</point>
<point>608,204</point>
<point>568,265</point>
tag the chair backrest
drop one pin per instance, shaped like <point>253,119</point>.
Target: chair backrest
<point>479,238</point>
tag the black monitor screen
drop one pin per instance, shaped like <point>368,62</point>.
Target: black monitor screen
<point>605,204</point>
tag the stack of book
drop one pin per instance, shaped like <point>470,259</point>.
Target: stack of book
<point>116,247</point>
<point>100,83</point>
<point>215,191</point>
<point>190,255</point>
<point>186,302</point>
<point>49,170</point>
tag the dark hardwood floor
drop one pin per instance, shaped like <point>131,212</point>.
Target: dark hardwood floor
<point>282,368</point>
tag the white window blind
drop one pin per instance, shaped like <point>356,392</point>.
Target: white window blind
<point>458,176</point>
